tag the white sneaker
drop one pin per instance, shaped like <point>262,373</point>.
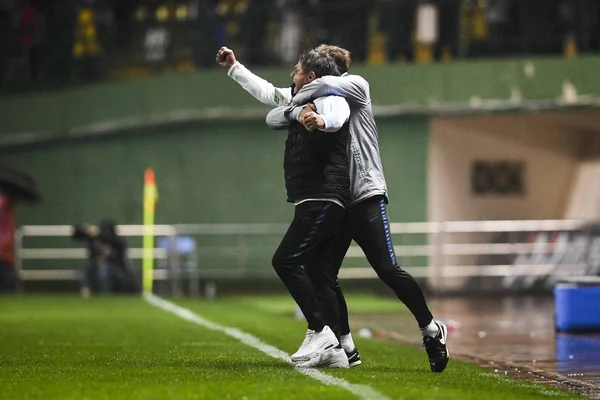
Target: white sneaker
<point>304,347</point>
<point>331,357</point>
<point>315,342</point>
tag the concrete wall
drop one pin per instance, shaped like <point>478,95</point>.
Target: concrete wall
<point>550,146</point>
<point>560,181</point>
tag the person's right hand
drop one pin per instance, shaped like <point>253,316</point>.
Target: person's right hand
<point>306,110</point>
<point>225,57</point>
<point>313,121</point>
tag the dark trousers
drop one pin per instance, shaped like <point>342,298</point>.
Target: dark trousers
<point>368,225</point>
<point>105,277</point>
<point>311,282</point>
<point>8,277</point>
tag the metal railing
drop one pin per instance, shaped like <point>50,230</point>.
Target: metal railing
<point>454,251</point>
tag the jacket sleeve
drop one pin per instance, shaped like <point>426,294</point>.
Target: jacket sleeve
<point>276,118</point>
<point>260,89</point>
<point>353,88</point>
<point>334,110</point>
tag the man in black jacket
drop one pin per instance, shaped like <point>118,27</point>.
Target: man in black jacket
<point>317,182</point>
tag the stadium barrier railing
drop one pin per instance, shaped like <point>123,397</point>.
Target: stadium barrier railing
<point>517,254</point>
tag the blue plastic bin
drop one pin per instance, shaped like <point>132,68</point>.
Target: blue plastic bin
<point>577,305</point>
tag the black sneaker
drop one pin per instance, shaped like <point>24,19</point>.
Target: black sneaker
<point>354,358</point>
<point>437,350</point>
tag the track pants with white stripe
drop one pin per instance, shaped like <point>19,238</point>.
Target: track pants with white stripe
<point>368,224</point>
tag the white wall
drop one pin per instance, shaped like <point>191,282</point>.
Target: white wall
<point>550,150</point>
<point>584,200</point>
<point>561,178</point>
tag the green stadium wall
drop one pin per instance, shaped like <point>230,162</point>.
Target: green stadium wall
<point>206,173</point>
<point>63,112</point>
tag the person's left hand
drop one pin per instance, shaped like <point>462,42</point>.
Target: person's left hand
<point>313,121</point>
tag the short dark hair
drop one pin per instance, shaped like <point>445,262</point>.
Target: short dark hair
<point>320,63</point>
<point>342,57</point>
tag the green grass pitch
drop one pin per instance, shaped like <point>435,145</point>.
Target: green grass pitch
<point>60,347</point>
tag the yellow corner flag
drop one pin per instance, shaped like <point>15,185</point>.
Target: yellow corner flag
<point>150,199</point>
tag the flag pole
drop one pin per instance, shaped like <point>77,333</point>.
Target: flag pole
<point>150,198</point>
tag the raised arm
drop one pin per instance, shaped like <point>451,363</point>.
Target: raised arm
<point>262,90</point>
<point>353,88</point>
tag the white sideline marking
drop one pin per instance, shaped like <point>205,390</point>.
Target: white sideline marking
<point>362,391</point>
